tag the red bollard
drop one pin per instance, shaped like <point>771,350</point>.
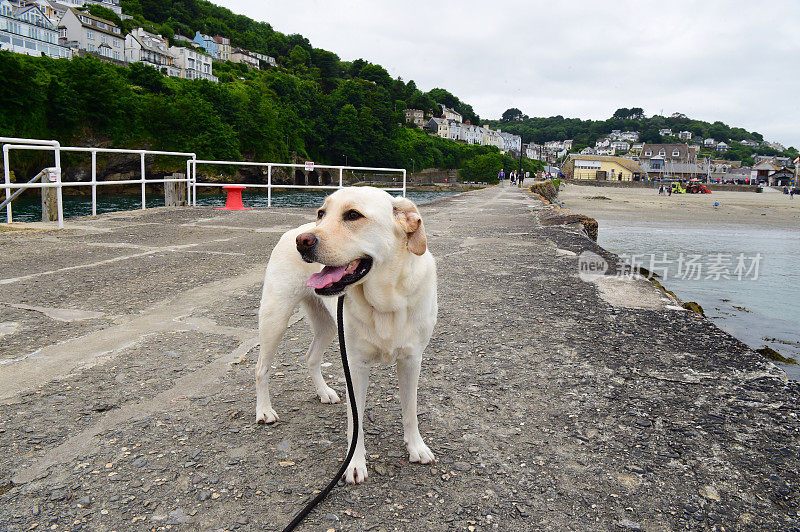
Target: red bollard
<point>234,200</point>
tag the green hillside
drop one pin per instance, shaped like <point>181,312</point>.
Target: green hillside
<point>586,132</point>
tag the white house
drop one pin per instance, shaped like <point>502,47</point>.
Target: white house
<point>629,136</point>
<point>511,142</point>
<point>620,146</point>
<point>709,142</point>
<point>451,114</point>
<point>665,132</point>
<point>150,49</point>
<point>193,64</point>
<point>113,5</point>
<point>685,135</point>
<point>722,147</point>
<point>27,30</point>
<point>588,151</point>
<point>92,34</point>
<point>602,143</point>
<point>749,143</point>
<point>239,55</point>
<point>267,59</point>
<point>454,131</point>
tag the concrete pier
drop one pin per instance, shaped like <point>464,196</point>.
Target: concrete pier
<point>127,347</point>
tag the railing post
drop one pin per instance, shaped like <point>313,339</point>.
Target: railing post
<point>404,182</point>
<point>94,182</point>
<point>144,200</point>
<point>194,182</point>
<point>341,169</point>
<point>59,196</point>
<point>7,176</point>
<point>269,185</point>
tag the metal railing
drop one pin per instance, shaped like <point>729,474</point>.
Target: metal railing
<point>12,143</point>
<point>269,185</point>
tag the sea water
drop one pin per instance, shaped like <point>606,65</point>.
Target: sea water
<point>758,307</point>
<point>29,209</point>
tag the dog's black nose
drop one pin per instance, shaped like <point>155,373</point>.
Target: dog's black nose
<point>306,242</point>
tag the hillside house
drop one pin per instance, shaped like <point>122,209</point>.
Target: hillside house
<point>722,147</point>
<point>192,63</point>
<point>665,132</point>
<point>620,146</point>
<point>240,55</point>
<point>685,135</point>
<point>207,43</point>
<point>223,48</point>
<point>451,114</point>
<point>709,142</point>
<point>439,127</point>
<point>415,116</point>
<point>265,58</point>
<point>669,153</point>
<point>28,30</point>
<point>150,49</point>
<point>92,34</point>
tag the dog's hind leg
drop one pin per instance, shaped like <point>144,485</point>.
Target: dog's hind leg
<point>324,327</point>
<point>272,320</point>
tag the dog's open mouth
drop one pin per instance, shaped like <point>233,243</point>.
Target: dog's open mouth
<point>333,279</point>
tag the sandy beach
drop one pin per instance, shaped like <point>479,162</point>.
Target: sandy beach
<point>768,209</point>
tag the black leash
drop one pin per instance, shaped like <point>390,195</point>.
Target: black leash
<point>352,400</point>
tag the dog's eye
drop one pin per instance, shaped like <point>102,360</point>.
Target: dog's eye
<point>352,215</point>
<point>320,214</point>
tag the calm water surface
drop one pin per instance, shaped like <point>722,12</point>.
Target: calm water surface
<point>28,209</point>
<point>759,311</point>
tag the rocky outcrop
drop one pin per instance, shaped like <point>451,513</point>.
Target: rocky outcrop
<point>545,189</point>
<point>555,215</point>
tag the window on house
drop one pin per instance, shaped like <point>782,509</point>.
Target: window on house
<point>676,153</point>
<point>648,153</point>
<point>90,35</point>
<point>662,152</point>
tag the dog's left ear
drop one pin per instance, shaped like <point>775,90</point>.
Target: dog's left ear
<point>407,215</point>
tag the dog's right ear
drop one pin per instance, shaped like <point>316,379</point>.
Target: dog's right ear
<point>407,215</point>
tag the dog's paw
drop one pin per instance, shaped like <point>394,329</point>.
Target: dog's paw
<point>419,452</point>
<point>356,472</point>
<point>266,415</point>
<point>328,395</point>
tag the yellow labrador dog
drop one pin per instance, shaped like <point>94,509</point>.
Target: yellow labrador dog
<point>373,247</point>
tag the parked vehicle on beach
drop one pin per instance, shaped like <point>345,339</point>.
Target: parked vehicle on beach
<point>677,188</point>
<point>695,186</point>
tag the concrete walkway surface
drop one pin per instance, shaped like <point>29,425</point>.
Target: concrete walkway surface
<point>127,348</point>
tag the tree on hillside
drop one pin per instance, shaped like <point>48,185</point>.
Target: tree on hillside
<point>512,114</point>
<point>634,113</point>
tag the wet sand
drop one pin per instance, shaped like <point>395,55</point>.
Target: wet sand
<point>767,209</point>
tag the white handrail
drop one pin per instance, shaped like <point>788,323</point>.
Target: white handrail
<point>14,143</point>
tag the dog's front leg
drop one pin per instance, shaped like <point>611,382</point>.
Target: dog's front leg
<point>273,319</point>
<point>357,470</point>
<point>408,376</point>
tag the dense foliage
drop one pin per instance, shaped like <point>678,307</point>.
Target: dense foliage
<point>250,114</point>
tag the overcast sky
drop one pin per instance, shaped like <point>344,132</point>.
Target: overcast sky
<point>734,61</point>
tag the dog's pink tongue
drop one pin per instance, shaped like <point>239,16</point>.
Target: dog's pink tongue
<point>328,276</point>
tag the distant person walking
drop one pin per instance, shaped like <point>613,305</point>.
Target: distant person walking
<point>669,190</point>
<point>501,175</point>
<point>792,193</point>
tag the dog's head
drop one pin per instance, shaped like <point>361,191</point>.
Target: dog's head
<point>358,229</point>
